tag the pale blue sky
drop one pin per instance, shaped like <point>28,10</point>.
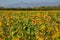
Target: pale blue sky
<point>7,2</point>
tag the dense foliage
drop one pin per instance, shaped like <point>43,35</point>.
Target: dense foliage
<point>29,25</point>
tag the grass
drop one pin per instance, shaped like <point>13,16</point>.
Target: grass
<point>29,25</point>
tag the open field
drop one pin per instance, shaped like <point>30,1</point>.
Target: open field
<point>29,25</point>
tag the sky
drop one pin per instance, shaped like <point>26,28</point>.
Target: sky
<point>7,2</point>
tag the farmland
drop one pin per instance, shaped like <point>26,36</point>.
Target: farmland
<point>29,25</point>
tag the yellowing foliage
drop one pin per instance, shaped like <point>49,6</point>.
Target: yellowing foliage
<point>0,24</point>
<point>40,38</point>
<point>55,35</point>
<point>13,32</point>
<point>29,25</point>
<point>42,27</point>
<point>14,38</point>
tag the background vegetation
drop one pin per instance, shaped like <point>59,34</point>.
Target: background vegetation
<point>34,8</point>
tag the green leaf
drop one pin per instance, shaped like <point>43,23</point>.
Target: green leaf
<point>9,38</point>
<point>57,38</point>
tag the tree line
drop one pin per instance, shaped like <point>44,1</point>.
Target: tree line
<point>34,8</point>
